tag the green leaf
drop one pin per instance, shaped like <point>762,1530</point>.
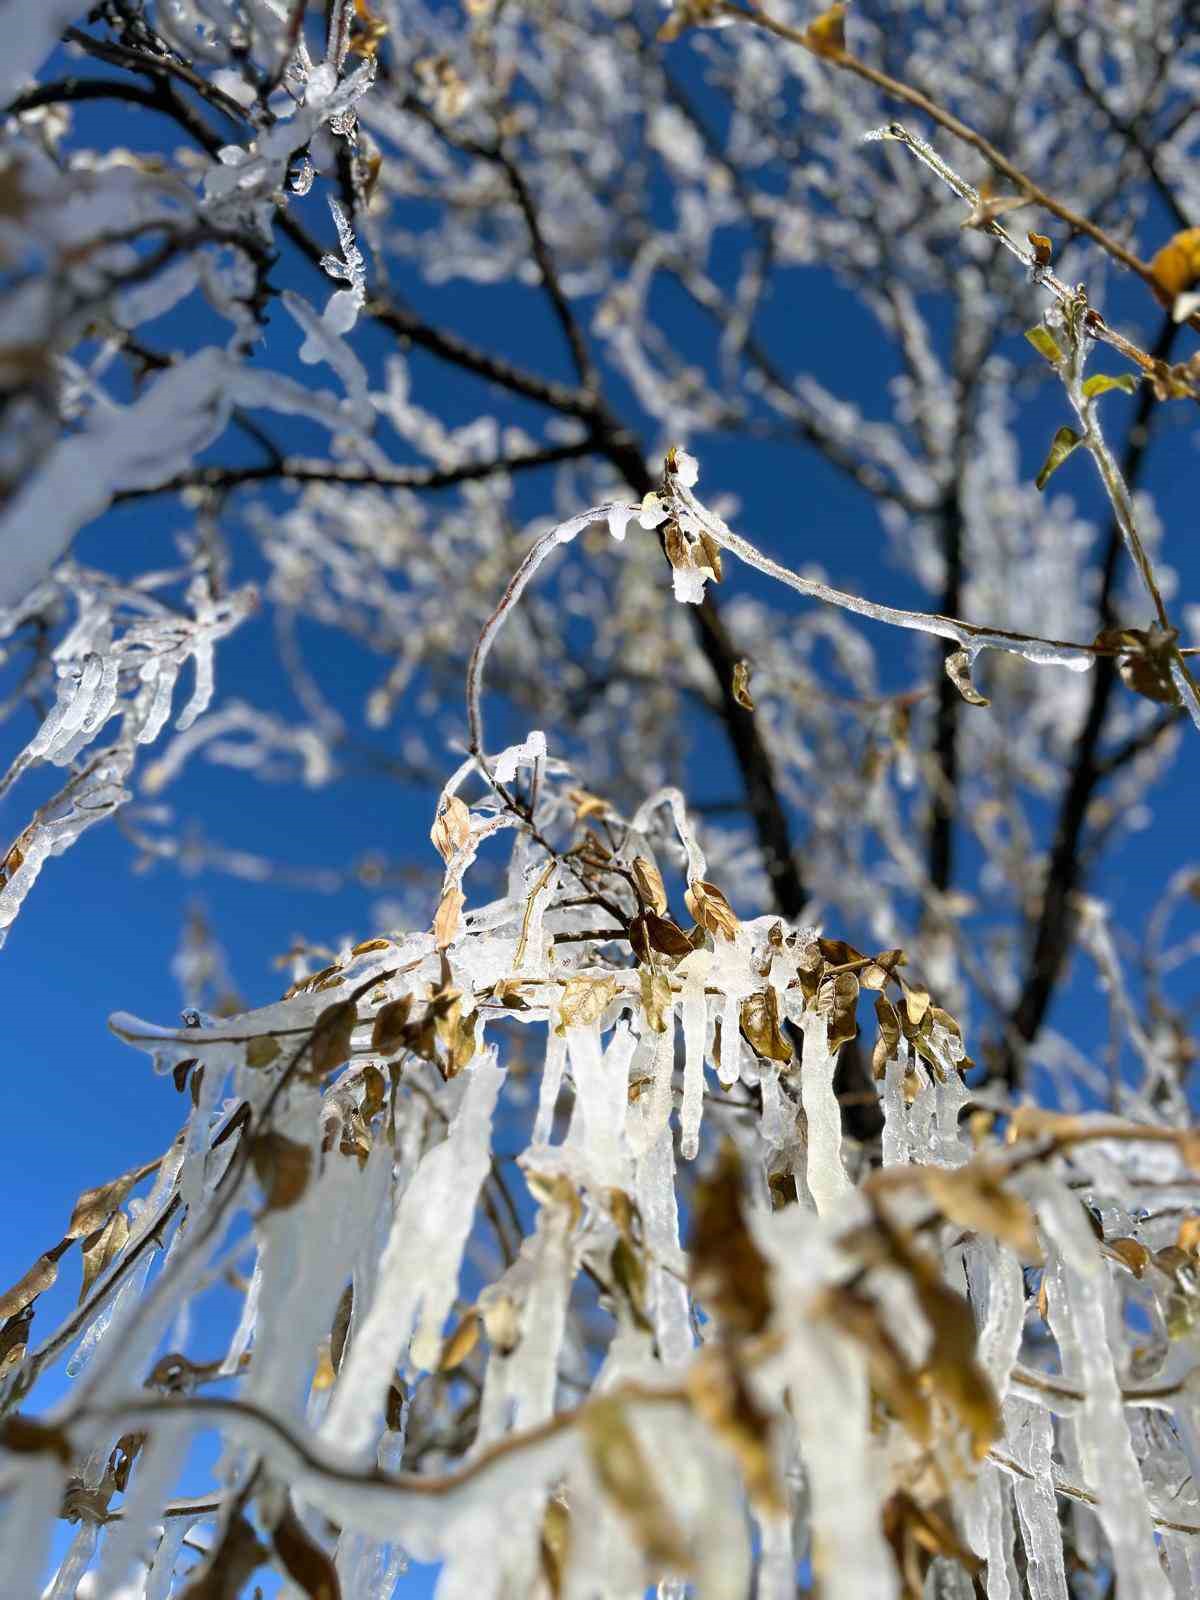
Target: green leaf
<point>1102,382</point>
<point>1044,342</point>
<point>1061,445</point>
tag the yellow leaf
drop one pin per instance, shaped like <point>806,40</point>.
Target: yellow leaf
<point>826,34</point>
<point>460,1343</point>
<point>1176,267</point>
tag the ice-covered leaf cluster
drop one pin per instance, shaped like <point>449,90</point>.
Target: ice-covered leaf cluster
<point>555,1265</point>
<point>113,676</point>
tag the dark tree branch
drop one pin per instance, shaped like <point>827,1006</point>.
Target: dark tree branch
<point>1053,933</point>
<point>294,471</point>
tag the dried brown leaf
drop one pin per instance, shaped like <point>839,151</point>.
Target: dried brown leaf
<point>584,1001</point>
<point>227,1569</point>
<point>390,1026</point>
<point>727,1271</point>
<point>451,827</point>
<point>40,1277</point>
<point>722,1399</point>
<point>461,1342</point>
<point>1132,1252</point>
<point>760,1026</point>
<point>649,884</point>
<point>657,999</point>
<point>958,670</point>
<point>95,1206</point>
<point>101,1248</point>
<point>974,1197</point>
<point>282,1167</point>
<point>711,909</point>
<point>448,917</point>
<point>331,1036</point>
<point>741,685</point>
<point>262,1050</point>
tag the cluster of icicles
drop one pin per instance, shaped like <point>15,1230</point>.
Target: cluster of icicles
<point>326,1150</point>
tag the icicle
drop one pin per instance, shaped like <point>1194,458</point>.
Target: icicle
<point>552,1074</point>
<point>155,1473</point>
<point>831,1402</point>
<point>1031,1433</point>
<point>218,1061</point>
<point>74,1564</point>
<point>694,1011</point>
<point>1082,1316</point>
<point>1000,1337</point>
<point>650,1105</point>
<point>730,1069</point>
<point>825,1174</point>
<point>533,1367</point>
<point>982,1501</point>
<point>244,1331</point>
<point>31,1489</point>
<point>308,1250</point>
<point>777,1562</point>
<point>160,1578</point>
<point>660,1218</point>
<point>419,1268</point>
<point>601,1100</point>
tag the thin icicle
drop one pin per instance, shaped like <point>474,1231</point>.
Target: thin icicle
<point>1031,1431</point>
<point>694,969</point>
<point>552,1076</point>
<point>660,1217</point>
<point>1081,1315</point>
<point>825,1173</point>
<point>831,1402</point>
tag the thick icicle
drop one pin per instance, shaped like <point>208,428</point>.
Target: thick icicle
<point>419,1269</point>
<point>1082,1315</point>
